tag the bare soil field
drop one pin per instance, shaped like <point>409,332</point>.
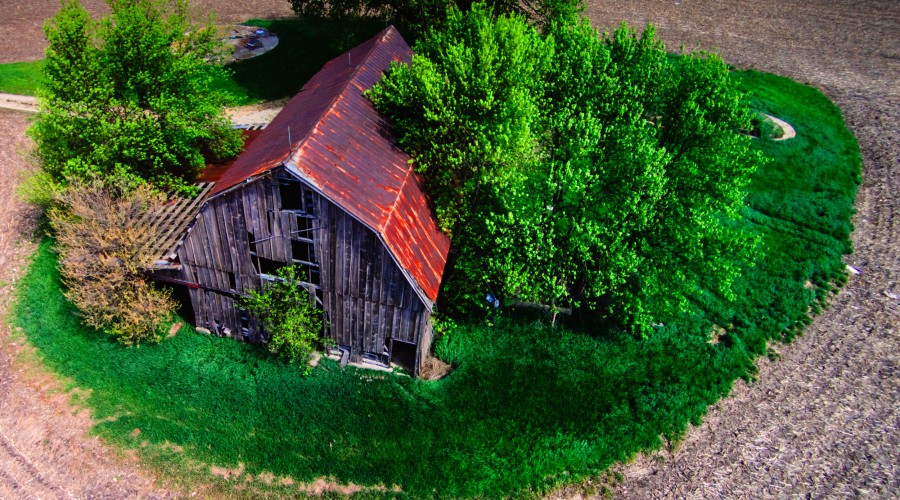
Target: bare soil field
<point>823,420</point>
<point>21,24</point>
<point>820,421</point>
<point>45,451</point>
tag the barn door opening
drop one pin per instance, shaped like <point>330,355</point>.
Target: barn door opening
<point>182,297</point>
<point>404,354</point>
<point>376,350</point>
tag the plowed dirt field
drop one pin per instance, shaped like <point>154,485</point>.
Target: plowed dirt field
<point>820,421</point>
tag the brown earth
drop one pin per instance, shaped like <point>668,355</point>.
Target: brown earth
<point>45,451</point>
<point>21,23</point>
<point>823,420</point>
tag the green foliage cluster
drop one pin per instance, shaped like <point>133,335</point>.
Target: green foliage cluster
<point>240,84</point>
<point>574,170</point>
<point>128,98</point>
<point>288,315</point>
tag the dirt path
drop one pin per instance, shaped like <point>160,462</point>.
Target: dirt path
<point>823,420</point>
<point>44,448</point>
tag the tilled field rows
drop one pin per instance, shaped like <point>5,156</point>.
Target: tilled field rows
<point>19,478</point>
<point>823,419</point>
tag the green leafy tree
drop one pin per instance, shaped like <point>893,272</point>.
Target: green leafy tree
<point>468,109</point>
<point>589,204</point>
<point>129,98</point>
<point>288,315</point>
<point>584,171</point>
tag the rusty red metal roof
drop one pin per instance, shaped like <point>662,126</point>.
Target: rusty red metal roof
<point>341,145</point>
<point>213,172</point>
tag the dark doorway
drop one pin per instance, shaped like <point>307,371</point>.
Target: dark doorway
<point>182,297</point>
<point>403,354</point>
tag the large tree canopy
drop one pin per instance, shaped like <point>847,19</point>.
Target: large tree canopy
<point>128,98</point>
<point>573,169</point>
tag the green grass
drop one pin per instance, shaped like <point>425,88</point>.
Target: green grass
<point>20,77</point>
<point>527,408</point>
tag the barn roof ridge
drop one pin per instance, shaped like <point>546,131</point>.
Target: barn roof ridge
<point>390,215</point>
<point>295,150</point>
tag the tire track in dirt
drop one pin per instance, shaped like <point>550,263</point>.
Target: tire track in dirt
<point>822,420</point>
<point>45,451</point>
<point>19,478</point>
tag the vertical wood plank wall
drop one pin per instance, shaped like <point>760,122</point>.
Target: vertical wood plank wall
<point>365,297</point>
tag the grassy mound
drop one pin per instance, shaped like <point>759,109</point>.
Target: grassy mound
<point>527,407</point>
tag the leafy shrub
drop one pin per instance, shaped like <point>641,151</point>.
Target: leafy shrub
<point>103,255</point>
<point>288,316</point>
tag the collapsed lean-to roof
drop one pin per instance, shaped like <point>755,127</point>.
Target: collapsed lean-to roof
<point>334,138</point>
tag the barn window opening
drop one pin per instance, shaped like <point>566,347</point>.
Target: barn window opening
<point>252,241</point>
<point>296,197</point>
<point>308,202</point>
<point>232,281</point>
<point>291,195</point>
<point>303,251</point>
<point>313,277</point>
<point>304,227</point>
<point>269,266</point>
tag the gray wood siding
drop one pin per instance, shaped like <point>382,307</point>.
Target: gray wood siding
<point>364,295</point>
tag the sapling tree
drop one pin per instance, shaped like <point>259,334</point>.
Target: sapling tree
<point>288,315</point>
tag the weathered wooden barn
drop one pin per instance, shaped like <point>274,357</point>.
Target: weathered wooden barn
<point>325,187</point>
